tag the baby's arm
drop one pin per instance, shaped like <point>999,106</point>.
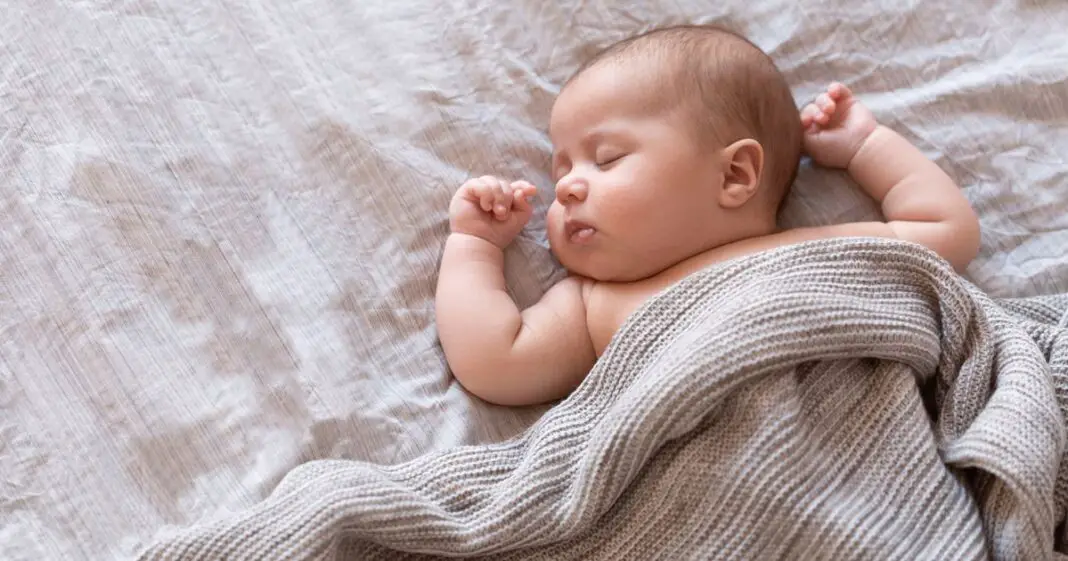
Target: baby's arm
<point>919,201</point>
<point>496,352</point>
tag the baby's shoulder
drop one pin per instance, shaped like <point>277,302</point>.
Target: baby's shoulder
<point>577,285</point>
<point>757,244</point>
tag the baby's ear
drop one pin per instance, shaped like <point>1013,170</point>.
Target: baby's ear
<point>743,164</point>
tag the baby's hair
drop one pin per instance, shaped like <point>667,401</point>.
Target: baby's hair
<point>733,88</point>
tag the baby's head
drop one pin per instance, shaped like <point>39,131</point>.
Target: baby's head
<point>666,145</point>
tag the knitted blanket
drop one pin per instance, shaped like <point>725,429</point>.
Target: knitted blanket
<point>840,399</point>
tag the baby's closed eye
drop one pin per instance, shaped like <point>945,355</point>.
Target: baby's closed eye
<point>607,158</point>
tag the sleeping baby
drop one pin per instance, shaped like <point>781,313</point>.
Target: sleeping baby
<point>672,150</point>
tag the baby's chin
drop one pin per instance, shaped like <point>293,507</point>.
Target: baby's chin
<point>576,265</point>
<point>596,266</point>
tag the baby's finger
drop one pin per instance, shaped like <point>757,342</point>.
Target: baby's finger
<point>473,190</point>
<point>521,190</point>
<point>502,199</point>
<point>838,91</point>
<point>485,193</point>
<point>808,115</point>
<point>825,103</point>
<point>524,189</point>
<point>468,189</point>
<point>816,116</point>
<point>521,204</point>
<point>486,198</point>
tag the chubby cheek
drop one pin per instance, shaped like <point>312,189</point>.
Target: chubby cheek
<point>554,223</point>
<point>648,225</point>
<point>625,209</point>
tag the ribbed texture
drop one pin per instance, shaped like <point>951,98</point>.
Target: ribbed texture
<point>769,407</point>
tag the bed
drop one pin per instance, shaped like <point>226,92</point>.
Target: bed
<point>221,221</point>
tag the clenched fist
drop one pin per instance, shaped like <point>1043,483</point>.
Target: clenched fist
<point>491,208</point>
<point>836,125</point>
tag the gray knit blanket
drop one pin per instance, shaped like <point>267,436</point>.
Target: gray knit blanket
<point>841,399</point>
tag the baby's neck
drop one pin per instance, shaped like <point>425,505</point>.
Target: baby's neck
<point>744,228</point>
<point>731,243</point>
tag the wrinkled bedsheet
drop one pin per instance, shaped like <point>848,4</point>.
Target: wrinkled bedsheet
<point>220,221</point>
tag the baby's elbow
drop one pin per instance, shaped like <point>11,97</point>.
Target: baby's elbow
<point>486,382</point>
<point>474,380</point>
<point>967,238</point>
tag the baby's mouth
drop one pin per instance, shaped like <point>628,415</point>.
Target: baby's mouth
<point>578,232</point>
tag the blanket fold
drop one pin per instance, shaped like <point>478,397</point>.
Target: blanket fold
<point>768,407</point>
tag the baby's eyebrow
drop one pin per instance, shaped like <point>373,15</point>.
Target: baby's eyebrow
<point>595,136</point>
<point>604,133</point>
<point>591,138</point>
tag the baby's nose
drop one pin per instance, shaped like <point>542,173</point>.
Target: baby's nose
<point>571,189</point>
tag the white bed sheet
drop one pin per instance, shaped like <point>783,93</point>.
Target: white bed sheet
<point>221,221</point>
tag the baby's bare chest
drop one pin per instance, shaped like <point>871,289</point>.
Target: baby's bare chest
<point>608,305</point>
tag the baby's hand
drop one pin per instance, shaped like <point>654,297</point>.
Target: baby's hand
<point>492,209</point>
<point>836,125</point>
